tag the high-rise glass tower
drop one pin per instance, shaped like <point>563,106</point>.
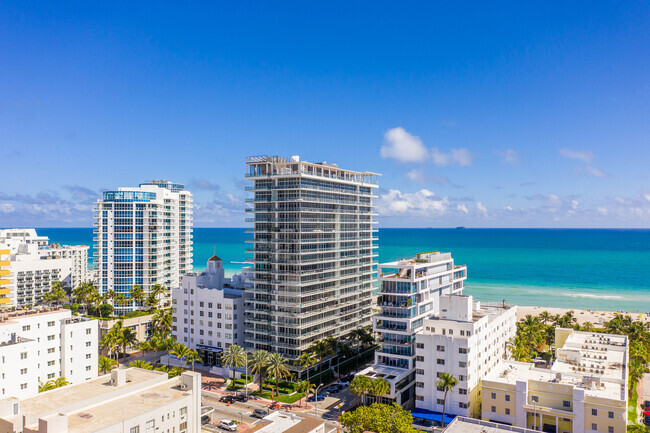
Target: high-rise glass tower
<point>143,236</point>
<point>313,248</point>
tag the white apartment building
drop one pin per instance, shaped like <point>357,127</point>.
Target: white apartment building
<point>143,236</point>
<point>35,265</point>
<point>410,292</point>
<point>466,339</point>
<point>313,247</point>
<point>39,346</point>
<point>125,401</point>
<point>208,311</point>
<point>584,390</point>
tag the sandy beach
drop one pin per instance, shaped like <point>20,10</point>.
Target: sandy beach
<point>596,317</point>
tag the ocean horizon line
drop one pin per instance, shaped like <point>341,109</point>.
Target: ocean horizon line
<point>400,228</point>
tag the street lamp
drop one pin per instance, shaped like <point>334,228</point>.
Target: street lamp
<point>246,379</point>
<point>317,388</point>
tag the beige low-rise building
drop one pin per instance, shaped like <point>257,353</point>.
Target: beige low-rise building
<point>584,390</point>
<point>141,325</point>
<point>125,401</point>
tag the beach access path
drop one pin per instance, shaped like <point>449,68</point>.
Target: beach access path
<point>597,318</point>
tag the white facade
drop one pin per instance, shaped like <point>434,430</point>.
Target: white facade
<point>124,401</point>
<point>467,340</point>
<point>410,292</point>
<point>38,347</point>
<point>584,390</point>
<point>208,311</point>
<point>35,265</point>
<point>313,246</point>
<point>143,237</point>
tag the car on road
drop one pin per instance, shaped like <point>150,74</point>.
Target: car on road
<point>227,399</point>
<point>259,413</point>
<point>241,397</point>
<point>347,378</point>
<point>646,404</point>
<point>228,424</point>
<point>646,420</point>
<point>333,389</point>
<point>343,383</point>
<point>274,406</point>
<point>321,397</point>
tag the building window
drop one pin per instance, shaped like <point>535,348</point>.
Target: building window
<point>135,429</point>
<point>419,345</point>
<point>88,355</point>
<point>50,324</point>
<point>23,386</point>
<point>419,371</point>
<point>150,424</point>
<point>594,412</point>
<point>610,429</point>
<point>463,350</point>
<point>462,391</point>
<point>51,376</point>
<point>50,363</point>
<point>610,414</point>
<point>23,371</point>
<point>440,348</point>
<point>88,368</point>
<point>594,426</point>
<point>419,358</point>
<point>23,355</point>
<point>494,408</point>
<point>183,411</point>
<point>566,403</point>
<point>463,405</point>
<point>26,327</point>
<point>419,384</point>
<point>87,343</point>
<point>440,361</point>
<point>463,364</point>
<point>507,411</point>
<point>183,426</point>
<point>493,396</point>
<point>507,397</point>
<point>534,399</point>
<point>51,350</point>
<point>50,337</point>
<point>419,398</point>
<point>440,401</point>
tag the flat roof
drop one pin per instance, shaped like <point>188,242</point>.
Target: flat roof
<point>278,422</point>
<point>461,424</point>
<point>389,373</point>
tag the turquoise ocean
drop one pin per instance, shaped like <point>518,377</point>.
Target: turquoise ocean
<point>585,269</point>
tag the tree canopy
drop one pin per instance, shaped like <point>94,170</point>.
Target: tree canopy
<point>378,418</point>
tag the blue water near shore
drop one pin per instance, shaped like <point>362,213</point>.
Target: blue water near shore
<point>588,269</point>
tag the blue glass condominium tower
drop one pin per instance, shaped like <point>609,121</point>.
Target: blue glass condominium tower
<point>313,247</point>
<point>143,236</point>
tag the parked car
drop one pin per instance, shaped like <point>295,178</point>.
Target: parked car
<point>646,404</point>
<point>321,397</point>
<point>205,419</point>
<point>228,424</point>
<point>227,399</point>
<point>274,406</point>
<point>241,397</point>
<point>259,413</point>
<point>333,389</point>
<point>646,420</point>
<point>343,382</point>
<point>347,378</point>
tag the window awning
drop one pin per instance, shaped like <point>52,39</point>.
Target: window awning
<point>431,415</point>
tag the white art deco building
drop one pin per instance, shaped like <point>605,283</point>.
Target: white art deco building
<point>410,292</point>
<point>143,236</point>
<point>313,247</point>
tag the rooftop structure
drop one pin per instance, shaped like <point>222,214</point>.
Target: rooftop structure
<point>283,422</point>
<point>585,389</point>
<point>143,236</point>
<point>461,424</point>
<point>122,401</point>
<point>410,292</point>
<point>313,249</point>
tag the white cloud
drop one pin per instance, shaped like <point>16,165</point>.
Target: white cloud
<point>585,156</point>
<point>423,202</point>
<point>462,208</point>
<point>440,159</point>
<point>481,208</point>
<point>593,171</point>
<point>403,147</point>
<point>462,157</point>
<point>510,157</point>
<point>7,207</point>
<point>415,175</point>
<point>602,210</point>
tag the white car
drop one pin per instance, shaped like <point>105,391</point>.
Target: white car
<point>228,424</point>
<point>343,383</point>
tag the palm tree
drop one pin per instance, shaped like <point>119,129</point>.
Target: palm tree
<point>446,383</point>
<point>82,294</point>
<point>166,344</point>
<point>42,387</point>
<point>192,358</point>
<point>127,338</point>
<point>141,364</point>
<point>110,296</point>
<point>321,349</point>
<point>305,387</point>
<point>360,385</point>
<point>57,294</point>
<point>158,290</point>
<point>106,364</point>
<point>61,381</point>
<point>234,356</point>
<point>588,327</point>
<point>379,387</point>
<point>278,369</point>
<point>545,317</point>
<point>181,351</point>
<point>156,344</point>
<point>258,364</point>
<point>110,341</point>
<point>306,360</point>
<point>144,346</point>
<point>137,295</point>
<point>162,322</point>
<point>95,299</point>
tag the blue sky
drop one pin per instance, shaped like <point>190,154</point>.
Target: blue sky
<point>477,114</point>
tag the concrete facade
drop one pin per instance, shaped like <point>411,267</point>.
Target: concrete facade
<point>38,347</point>
<point>466,339</point>
<point>585,389</point>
